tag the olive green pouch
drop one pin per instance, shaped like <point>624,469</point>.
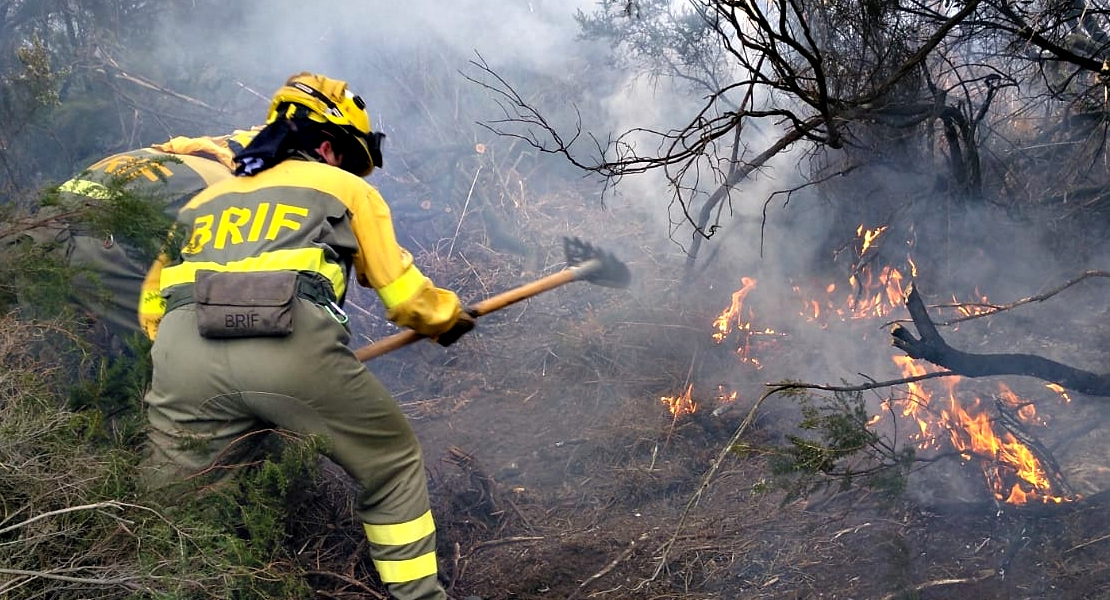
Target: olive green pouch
<point>238,305</point>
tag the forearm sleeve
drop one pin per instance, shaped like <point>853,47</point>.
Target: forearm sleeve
<point>410,298</point>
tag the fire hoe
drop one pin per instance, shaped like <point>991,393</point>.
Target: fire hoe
<point>584,263</point>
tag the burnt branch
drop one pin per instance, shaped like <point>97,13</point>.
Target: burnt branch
<point>931,347</point>
<point>991,309</point>
<point>1011,423</point>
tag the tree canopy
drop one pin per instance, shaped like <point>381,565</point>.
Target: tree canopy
<point>974,102</point>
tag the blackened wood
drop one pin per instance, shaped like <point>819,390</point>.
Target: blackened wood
<point>931,347</point>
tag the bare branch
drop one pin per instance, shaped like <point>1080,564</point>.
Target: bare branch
<point>930,346</point>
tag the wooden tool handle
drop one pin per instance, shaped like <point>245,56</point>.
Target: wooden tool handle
<point>491,304</point>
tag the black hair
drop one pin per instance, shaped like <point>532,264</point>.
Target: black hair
<point>299,136</point>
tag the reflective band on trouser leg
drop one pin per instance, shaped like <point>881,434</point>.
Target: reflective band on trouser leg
<point>402,288</point>
<point>401,534</point>
<point>394,537</point>
<point>404,571</point>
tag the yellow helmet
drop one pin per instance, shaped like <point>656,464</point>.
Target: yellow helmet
<point>329,101</point>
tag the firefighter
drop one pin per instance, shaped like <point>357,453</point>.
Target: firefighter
<point>254,334</point>
<point>109,271</point>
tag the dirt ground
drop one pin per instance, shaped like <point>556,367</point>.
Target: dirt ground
<point>557,472</point>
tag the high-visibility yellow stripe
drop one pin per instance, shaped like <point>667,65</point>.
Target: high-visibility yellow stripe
<point>85,187</point>
<point>402,288</point>
<point>296,259</point>
<point>403,571</point>
<point>151,305</point>
<point>401,533</point>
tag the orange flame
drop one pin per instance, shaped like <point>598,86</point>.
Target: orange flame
<point>868,236</point>
<point>1059,389</point>
<point>1026,411</point>
<point>724,322</point>
<point>879,296</point>
<point>980,306</point>
<point>1012,471</point>
<point>683,404</point>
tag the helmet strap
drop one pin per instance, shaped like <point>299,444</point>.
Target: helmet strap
<point>315,93</point>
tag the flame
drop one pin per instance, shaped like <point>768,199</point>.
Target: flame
<point>683,404</point>
<point>1026,411</point>
<point>942,418</point>
<point>1012,471</point>
<point>724,322</point>
<point>879,295</point>
<point>1059,389</point>
<point>868,236</point>
<point>981,305</point>
<point>915,405</point>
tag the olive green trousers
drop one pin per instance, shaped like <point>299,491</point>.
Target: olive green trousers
<point>108,283</point>
<point>208,395</point>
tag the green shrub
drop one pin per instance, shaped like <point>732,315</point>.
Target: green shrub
<point>73,523</point>
<point>837,449</point>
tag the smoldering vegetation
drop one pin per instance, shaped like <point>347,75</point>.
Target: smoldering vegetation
<point>594,442</point>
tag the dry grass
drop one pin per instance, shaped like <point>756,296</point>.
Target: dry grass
<point>556,471</point>
<point>558,400</point>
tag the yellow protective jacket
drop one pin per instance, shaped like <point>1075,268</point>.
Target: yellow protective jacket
<point>172,172</point>
<point>154,173</point>
<point>220,148</point>
<point>310,217</point>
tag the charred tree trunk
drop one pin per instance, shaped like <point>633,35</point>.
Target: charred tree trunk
<point>932,347</point>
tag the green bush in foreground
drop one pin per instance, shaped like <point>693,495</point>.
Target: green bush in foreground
<point>838,450</point>
<point>73,524</point>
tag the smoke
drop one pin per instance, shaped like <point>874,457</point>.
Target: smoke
<point>367,43</point>
<point>409,59</point>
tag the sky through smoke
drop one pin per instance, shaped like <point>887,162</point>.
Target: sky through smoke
<point>347,39</point>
